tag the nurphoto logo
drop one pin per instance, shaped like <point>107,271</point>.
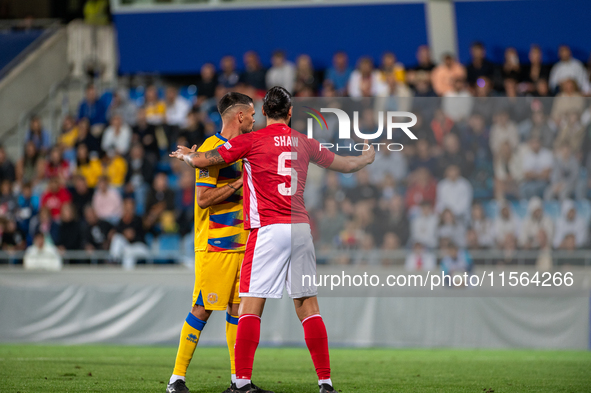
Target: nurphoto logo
<point>344,122</point>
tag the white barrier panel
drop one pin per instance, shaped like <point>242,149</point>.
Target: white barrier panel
<point>148,306</point>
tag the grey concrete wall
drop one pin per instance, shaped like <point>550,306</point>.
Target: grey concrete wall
<point>29,83</point>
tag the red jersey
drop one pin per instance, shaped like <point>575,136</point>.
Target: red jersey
<point>275,161</point>
<point>62,169</point>
<point>55,201</point>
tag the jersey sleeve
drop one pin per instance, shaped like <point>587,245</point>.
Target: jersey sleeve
<point>206,177</point>
<point>236,148</point>
<point>319,155</point>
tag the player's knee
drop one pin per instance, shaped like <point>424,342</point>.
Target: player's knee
<point>200,312</point>
<point>306,307</point>
<point>233,308</point>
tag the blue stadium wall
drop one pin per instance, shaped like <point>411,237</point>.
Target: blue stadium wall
<point>180,42</point>
<point>519,23</point>
<point>13,43</point>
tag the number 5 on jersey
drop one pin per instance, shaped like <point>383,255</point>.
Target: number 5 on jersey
<point>285,171</point>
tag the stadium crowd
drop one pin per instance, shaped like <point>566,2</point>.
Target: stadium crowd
<point>501,162</point>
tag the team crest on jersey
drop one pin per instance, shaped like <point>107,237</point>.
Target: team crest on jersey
<point>227,145</point>
<point>203,173</point>
<point>212,298</point>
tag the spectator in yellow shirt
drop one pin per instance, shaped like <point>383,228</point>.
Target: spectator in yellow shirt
<point>96,12</point>
<point>114,167</point>
<point>67,139</point>
<point>69,133</point>
<point>89,167</point>
<point>154,106</point>
<point>391,67</point>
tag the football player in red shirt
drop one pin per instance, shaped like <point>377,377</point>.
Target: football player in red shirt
<point>279,250</point>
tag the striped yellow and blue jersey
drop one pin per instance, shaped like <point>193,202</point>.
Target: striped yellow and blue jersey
<point>219,227</point>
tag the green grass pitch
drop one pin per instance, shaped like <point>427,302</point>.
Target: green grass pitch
<point>40,369</point>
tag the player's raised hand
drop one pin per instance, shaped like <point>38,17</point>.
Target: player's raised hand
<point>369,154</point>
<point>181,152</point>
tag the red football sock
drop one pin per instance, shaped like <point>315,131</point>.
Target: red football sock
<point>247,341</point>
<point>317,342</point>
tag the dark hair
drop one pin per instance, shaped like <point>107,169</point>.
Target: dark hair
<point>129,199</point>
<point>276,103</point>
<point>477,44</point>
<point>232,98</point>
<point>279,53</point>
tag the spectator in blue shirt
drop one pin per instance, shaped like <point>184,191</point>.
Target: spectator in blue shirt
<point>28,206</point>
<point>456,261</point>
<point>340,72</point>
<point>38,135</point>
<point>92,108</point>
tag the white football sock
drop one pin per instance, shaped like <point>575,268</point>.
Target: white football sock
<point>242,382</point>
<point>327,381</point>
<point>175,377</point>
<point>233,378</point>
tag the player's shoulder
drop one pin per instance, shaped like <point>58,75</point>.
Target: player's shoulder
<point>241,140</point>
<point>301,140</point>
<point>212,142</point>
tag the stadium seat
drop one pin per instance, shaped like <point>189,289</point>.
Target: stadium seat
<point>216,119</point>
<point>170,242</point>
<point>137,95</point>
<point>173,181</point>
<point>491,209</point>
<point>188,249</point>
<point>584,209</point>
<point>520,207</point>
<point>149,240</point>
<point>552,208</point>
<point>163,166</point>
<point>166,243</point>
<point>481,194</point>
<point>106,98</point>
<point>188,92</point>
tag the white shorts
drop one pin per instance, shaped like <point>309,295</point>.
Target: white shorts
<point>279,255</point>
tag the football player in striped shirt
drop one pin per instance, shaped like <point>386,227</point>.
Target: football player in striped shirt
<point>220,240</point>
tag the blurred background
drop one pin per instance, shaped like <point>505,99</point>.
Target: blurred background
<point>94,94</point>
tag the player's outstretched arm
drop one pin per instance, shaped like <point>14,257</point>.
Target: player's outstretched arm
<point>353,163</point>
<point>197,159</point>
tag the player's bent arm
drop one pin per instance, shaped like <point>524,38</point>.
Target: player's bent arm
<point>351,164</point>
<point>211,196</point>
<point>197,159</point>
